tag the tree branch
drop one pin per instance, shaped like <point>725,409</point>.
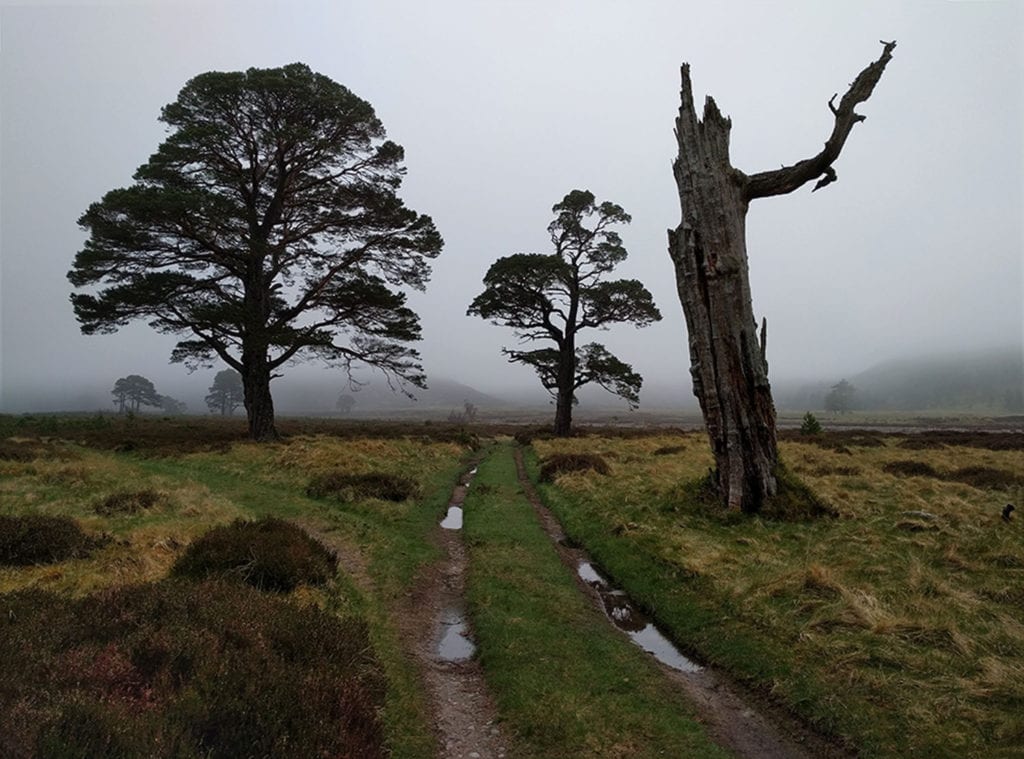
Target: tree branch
<point>789,178</point>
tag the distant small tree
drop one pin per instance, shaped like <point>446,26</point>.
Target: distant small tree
<point>134,391</point>
<point>553,297</point>
<point>810,425</point>
<point>466,416</point>
<point>226,393</point>
<point>345,404</point>
<point>840,397</point>
<point>172,406</point>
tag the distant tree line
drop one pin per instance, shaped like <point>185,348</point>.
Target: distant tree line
<point>133,392</point>
<point>226,393</point>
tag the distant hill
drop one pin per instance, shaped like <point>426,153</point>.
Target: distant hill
<point>990,381</point>
<point>315,398</point>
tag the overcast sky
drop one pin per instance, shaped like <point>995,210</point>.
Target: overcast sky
<point>503,107</point>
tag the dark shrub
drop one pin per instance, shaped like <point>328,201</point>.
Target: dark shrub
<point>984,477</point>
<point>16,452</point>
<point>270,554</point>
<point>126,502</point>
<point>992,441</point>
<point>37,539</point>
<point>841,471</point>
<point>561,463</point>
<point>177,670</point>
<point>837,439</point>
<point>668,450</point>
<point>905,468</point>
<point>354,487</point>
<point>29,450</point>
<point>527,436</point>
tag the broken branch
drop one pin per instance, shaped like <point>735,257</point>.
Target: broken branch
<point>789,178</point>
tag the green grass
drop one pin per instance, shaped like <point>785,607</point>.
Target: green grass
<point>567,683</point>
<point>900,633</point>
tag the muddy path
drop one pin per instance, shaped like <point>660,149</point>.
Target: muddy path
<point>741,721</point>
<point>436,630</point>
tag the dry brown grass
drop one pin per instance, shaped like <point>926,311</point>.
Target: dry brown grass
<point>908,607</point>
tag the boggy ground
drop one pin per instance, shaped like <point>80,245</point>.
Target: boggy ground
<point>743,722</point>
<point>896,627</point>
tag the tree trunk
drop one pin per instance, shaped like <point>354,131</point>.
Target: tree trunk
<point>566,391</point>
<point>728,366</point>
<point>259,405</point>
<point>727,360</point>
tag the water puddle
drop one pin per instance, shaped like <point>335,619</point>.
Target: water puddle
<point>629,619</point>
<point>455,644</point>
<point>453,520</point>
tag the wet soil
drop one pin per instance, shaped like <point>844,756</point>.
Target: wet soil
<point>436,629</point>
<point>741,721</point>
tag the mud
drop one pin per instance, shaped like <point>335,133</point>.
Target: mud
<point>438,632</point>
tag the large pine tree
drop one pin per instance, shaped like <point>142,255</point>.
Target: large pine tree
<point>266,228</point>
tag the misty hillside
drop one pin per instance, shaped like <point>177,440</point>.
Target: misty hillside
<point>308,397</point>
<point>985,381</point>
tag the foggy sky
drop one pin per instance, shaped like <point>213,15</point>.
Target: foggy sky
<point>502,108</point>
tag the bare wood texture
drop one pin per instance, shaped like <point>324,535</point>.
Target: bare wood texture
<point>728,360</point>
<point>789,178</point>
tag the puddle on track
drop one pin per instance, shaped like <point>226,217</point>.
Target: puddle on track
<point>455,644</point>
<point>453,520</point>
<point>625,616</point>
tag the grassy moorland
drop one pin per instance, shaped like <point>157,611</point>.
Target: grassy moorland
<point>897,625</point>
<point>133,496</point>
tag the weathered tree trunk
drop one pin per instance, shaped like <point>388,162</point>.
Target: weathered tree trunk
<point>727,359</point>
<point>730,374</point>
<point>566,389</point>
<point>259,405</point>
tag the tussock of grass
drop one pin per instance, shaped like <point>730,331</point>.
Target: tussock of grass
<point>563,463</point>
<point>905,468</point>
<point>352,487</point>
<point>127,502</point>
<point>883,626</point>
<point>794,500</point>
<point>39,539</point>
<point>174,670</point>
<point>269,554</point>
<point>525,437</point>
<point>985,477</point>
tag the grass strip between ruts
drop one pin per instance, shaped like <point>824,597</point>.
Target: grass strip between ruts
<point>566,682</point>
